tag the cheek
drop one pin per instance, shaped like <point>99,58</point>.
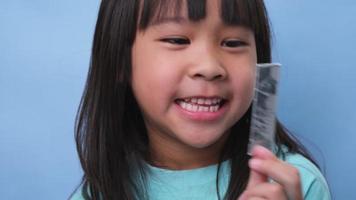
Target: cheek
<point>154,77</point>
<point>252,81</point>
<point>154,81</point>
<point>250,90</point>
<point>244,85</point>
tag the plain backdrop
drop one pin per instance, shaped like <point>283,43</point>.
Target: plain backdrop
<point>44,56</point>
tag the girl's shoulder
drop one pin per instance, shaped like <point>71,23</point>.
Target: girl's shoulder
<point>77,196</point>
<point>313,182</point>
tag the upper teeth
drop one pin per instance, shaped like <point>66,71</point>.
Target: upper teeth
<point>204,101</point>
<point>198,108</point>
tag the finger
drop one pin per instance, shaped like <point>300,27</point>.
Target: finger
<point>256,198</point>
<point>245,196</point>
<point>261,152</point>
<point>281,172</point>
<point>267,191</point>
<point>265,162</point>
<point>255,179</point>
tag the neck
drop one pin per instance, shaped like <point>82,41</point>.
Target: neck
<point>179,156</point>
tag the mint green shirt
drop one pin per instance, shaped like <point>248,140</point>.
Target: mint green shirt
<point>200,184</point>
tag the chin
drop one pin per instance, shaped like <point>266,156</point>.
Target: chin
<point>203,140</point>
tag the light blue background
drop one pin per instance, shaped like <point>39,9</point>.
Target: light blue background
<point>44,55</point>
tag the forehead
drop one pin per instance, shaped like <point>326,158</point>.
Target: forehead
<point>231,12</point>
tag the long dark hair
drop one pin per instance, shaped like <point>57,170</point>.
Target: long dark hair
<point>110,132</point>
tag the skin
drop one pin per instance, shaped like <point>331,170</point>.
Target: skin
<point>265,165</point>
<point>177,58</point>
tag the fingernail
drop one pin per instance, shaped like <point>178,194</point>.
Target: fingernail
<point>260,148</point>
<point>255,163</point>
<point>256,149</point>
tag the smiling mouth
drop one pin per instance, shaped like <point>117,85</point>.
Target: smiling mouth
<point>198,104</point>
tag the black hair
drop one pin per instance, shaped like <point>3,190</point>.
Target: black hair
<point>110,133</point>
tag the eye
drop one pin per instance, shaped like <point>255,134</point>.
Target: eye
<point>176,41</point>
<point>233,43</point>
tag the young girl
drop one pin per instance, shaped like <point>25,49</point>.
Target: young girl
<point>166,108</point>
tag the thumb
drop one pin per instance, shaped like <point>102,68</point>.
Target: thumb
<point>255,178</point>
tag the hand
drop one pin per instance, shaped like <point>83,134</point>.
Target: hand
<point>271,178</point>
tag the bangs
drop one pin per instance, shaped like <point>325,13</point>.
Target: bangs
<point>251,14</point>
<point>240,13</point>
<point>245,13</point>
<point>153,11</point>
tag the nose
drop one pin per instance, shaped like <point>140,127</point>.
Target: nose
<point>207,67</point>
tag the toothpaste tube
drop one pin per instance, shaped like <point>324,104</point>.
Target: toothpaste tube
<point>262,127</point>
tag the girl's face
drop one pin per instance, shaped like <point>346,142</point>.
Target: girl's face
<point>193,80</point>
